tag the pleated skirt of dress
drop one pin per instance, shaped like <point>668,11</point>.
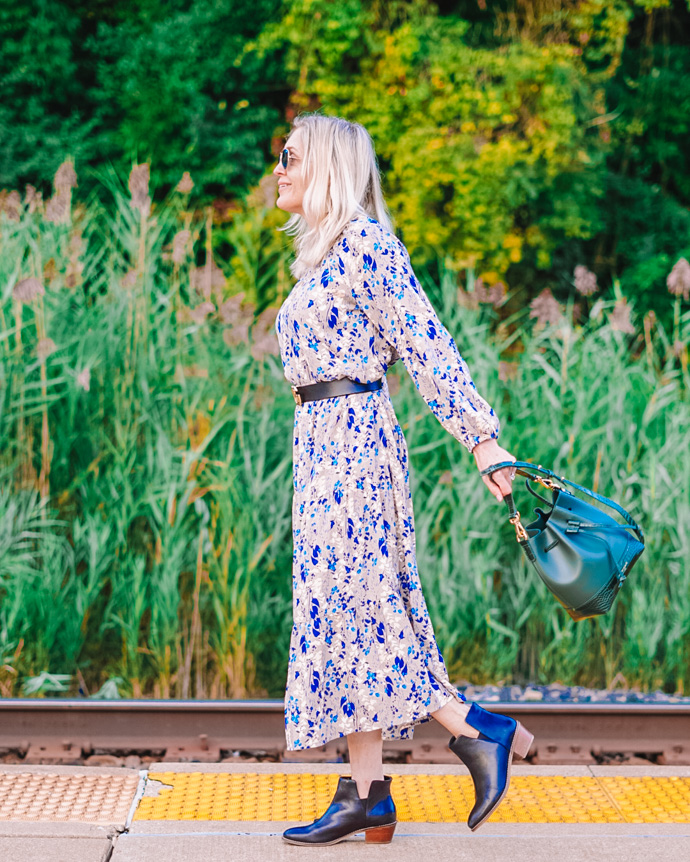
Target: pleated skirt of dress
<point>363,655</point>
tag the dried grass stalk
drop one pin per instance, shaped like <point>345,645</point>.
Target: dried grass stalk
<point>179,246</point>
<point>139,188</point>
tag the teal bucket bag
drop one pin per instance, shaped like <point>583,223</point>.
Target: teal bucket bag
<point>581,553</point>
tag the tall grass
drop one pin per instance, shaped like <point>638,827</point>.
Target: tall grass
<point>145,458</point>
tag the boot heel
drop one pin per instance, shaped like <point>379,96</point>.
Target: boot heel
<point>523,741</point>
<point>380,834</point>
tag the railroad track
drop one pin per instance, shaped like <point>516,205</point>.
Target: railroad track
<point>61,731</point>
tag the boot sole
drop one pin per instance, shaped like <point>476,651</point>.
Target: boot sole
<point>522,740</point>
<point>379,835</point>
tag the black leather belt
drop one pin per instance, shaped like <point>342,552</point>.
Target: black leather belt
<point>331,389</point>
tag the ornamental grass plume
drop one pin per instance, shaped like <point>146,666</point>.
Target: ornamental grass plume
<point>620,317</point>
<point>678,281</point>
<point>264,338</point>
<point>129,279</point>
<point>467,300</point>
<point>205,279</point>
<point>507,370</point>
<point>28,289</point>
<point>58,208</point>
<point>65,178</point>
<point>11,205</point>
<point>75,266</point>
<point>84,379</point>
<point>235,311</point>
<point>237,334</point>
<point>237,317</point>
<point>44,348</point>
<point>33,200</point>
<point>263,196</point>
<point>179,246</point>
<point>585,281</point>
<point>198,314</point>
<point>138,186</point>
<point>497,293</point>
<point>493,295</point>
<point>185,185</point>
<point>545,308</point>
<point>49,270</point>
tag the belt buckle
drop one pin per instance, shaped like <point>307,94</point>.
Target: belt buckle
<point>296,396</point>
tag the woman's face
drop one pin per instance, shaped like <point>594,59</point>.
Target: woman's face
<point>291,185</point>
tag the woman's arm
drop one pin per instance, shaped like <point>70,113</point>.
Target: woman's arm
<point>384,286</point>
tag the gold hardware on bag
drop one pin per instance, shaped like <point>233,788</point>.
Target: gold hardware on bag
<point>520,531</point>
<point>296,396</point>
<point>547,483</point>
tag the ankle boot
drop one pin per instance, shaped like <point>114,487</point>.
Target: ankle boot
<point>348,813</point>
<point>489,757</point>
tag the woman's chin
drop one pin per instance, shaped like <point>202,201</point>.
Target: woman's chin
<point>289,207</point>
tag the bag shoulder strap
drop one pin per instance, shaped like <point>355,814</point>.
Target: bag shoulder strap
<point>522,466</point>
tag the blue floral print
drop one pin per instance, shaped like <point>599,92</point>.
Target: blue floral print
<point>363,654</point>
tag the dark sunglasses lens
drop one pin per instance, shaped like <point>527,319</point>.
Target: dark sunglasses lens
<point>284,159</point>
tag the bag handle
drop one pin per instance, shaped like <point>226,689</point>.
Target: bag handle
<point>522,466</point>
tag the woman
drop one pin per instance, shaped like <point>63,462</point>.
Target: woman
<point>363,657</point>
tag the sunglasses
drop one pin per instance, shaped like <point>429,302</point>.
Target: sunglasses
<point>285,159</point>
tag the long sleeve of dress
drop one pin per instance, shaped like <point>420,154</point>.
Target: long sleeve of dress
<point>384,287</point>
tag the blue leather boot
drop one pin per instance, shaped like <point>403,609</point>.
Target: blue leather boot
<point>348,813</point>
<point>489,758</point>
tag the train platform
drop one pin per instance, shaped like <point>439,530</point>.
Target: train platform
<point>183,812</point>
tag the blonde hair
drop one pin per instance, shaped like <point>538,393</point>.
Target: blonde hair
<point>343,181</point>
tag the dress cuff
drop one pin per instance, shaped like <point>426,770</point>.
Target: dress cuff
<point>471,442</point>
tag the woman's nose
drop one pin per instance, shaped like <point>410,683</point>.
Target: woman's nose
<point>279,169</point>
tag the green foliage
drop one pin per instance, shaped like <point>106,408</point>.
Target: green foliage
<point>116,84</point>
<point>468,136</point>
<point>175,91</point>
<point>553,140</point>
<point>43,115</point>
<point>145,509</point>
<point>516,140</point>
<point>578,401</point>
<point>139,484</point>
<point>651,96</point>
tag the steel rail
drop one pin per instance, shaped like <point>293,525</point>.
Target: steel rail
<point>58,730</point>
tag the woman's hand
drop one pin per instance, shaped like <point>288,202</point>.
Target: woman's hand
<point>488,452</point>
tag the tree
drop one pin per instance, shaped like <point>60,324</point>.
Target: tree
<point>43,112</point>
<point>470,138</point>
<point>108,82</point>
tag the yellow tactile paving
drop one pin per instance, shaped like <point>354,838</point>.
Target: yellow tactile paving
<point>419,798</point>
<point>81,797</point>
<point>304,796</point>
<point>649,799</point>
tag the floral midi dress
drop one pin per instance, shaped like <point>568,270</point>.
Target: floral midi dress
<point>363,655</point>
